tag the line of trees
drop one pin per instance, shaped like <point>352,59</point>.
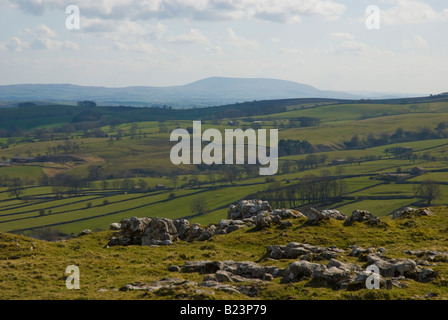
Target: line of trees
<point>400,135</point>
<point>310,190</point>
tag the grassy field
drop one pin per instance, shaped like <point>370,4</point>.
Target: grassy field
<point>145,155</point>
<point>34,269</point>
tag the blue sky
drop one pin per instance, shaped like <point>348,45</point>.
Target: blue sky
<point>324,43</point>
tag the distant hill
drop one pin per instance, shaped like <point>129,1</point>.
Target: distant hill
<point>207,92</point>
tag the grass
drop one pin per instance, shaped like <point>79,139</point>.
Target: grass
<point>39,273</point>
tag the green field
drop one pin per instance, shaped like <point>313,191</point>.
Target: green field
<point>137,147</point>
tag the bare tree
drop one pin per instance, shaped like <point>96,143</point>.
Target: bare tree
<point>428,191</point>
<point>16,188</point>
<point>199,206</point>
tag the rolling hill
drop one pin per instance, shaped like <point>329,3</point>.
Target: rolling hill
<point>206,92</point>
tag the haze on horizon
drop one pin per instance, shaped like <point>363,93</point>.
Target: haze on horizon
<point>322,43</point>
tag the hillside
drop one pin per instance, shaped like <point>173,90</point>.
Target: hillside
<point>32,269</point>
<point>119,156</point>
<point>202,93</point>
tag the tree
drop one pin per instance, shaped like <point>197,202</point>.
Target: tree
<point>199,206</point>
<point>173,178</point>
<point>16,188</point>
<point>95,172</point>
<point>428,191</point>
<point>86,103</point>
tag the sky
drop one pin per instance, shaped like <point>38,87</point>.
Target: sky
<point>323,43</point>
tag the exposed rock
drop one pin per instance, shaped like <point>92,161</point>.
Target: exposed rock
<point>315,216</point>
<point>219,286</point>
<point>431,295</point>
<point>228,226</point>
<point>173,268</point>
<point>408,212</point>
<point>115,226</point>
<point>334,214</point>
<point>205,266</point>
<point>358,216</point>
<point>375,222</point>
<point>296,250</point>
<point>84,232</point>
<point>199,233</point>
<point>427,275</point>
<point>262,220</point>
<point>429,255</point>
<point>131,232</point>
<point>247,208</point>
<point>159,231</point>
<point>231,271</point>
<point>173,283</point>
<point>401,268</point>
<point>182,227</point>
<point>300,270</point>
<point>286,224</point>
<point>288,214</point>
<point>360,282</point>
<point>362,253</point>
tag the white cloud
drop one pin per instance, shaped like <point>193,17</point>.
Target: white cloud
<point>41,37</point>
<point>416,43</point>
<point>215,50</point>
<point>411,12</point>
<point>352,47</point>
<point>241,42</point>
<point>291,51</point>
<point>342,35</point>
<point>139,47</point>
<point>272,10</point>
<point>14,44</point>
<point>193,36</point>
<point>117,30</point>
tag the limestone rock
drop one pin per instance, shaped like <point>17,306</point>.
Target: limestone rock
<point>358,216</point>
<point>115,226</point>
<point>315,216</point>
<point>84,232</point>
<point>263,220</point>
<point>159,231</point>
<point>408,212</point>
<point>295,250</point>
<point>182,227</point>
<point>247,208</point>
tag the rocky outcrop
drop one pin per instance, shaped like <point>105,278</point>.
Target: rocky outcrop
<point>228,226</point>
<point>159,231</point>
<point>84,232</point>
<point>429,255</point>
<point>308,252</point>
<point>263,220</point>
<point>362,253</point>
<point>335,274</point>
<point>406,268</point>
<point>163,231</point>
<point>315,216</point>
<point>231,271</point>
<point>247,208</point>
<point>358,216</point>
<point>408,212</point>
<point>115,226</point>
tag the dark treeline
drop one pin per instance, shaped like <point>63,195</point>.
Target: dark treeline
<point>293,147</point>
<point>400,135</point>
<point>310,190</point>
